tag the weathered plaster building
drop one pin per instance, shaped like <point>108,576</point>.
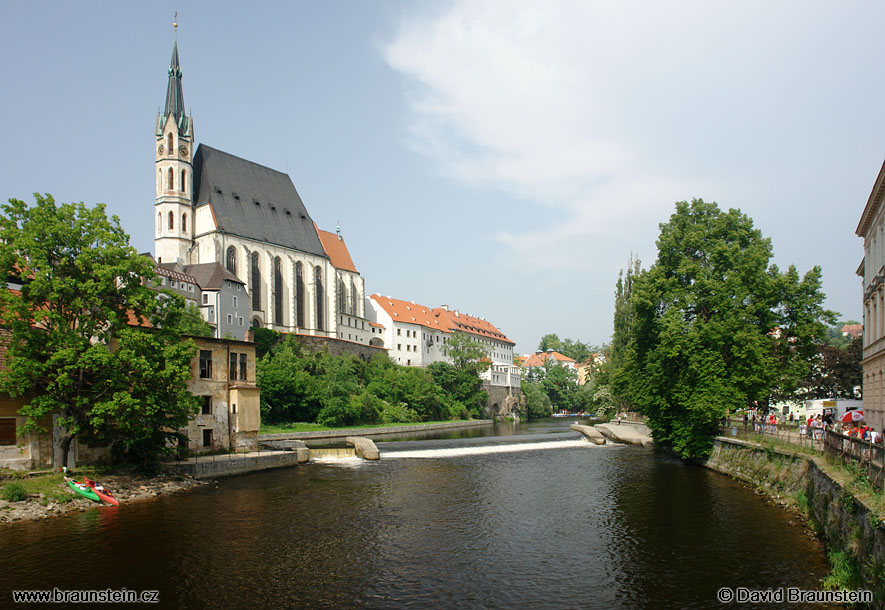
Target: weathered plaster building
<point>223,376</point>
<point>872,269</point>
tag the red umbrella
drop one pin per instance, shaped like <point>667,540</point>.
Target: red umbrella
<point>852,416</point>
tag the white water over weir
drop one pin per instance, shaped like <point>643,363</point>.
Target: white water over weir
<point>484,449</point>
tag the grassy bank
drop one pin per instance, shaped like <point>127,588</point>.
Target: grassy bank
<point>307,427</point>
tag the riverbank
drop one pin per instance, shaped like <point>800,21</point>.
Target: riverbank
<point>49,496</point>
<point>829,500</point>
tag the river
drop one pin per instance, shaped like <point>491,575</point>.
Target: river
<point>464,522</point>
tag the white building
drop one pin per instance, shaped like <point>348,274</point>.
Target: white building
<point>214,207</point>
<point>416,335</point>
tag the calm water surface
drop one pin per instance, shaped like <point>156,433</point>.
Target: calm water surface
<point>446,523</point>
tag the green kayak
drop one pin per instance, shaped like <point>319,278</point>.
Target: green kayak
<point>83,490</point>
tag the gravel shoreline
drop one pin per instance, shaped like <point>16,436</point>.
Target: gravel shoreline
<point>125,487</point>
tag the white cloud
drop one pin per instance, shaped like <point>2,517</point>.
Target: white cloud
<point>608,111</point>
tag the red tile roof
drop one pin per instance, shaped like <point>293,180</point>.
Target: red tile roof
<point>439,318</point>
<point>540,359</point>
<point>336,250</point>
<point>470,324</point>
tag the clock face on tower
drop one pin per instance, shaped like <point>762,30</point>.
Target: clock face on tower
<point>160,149</point>
<point>182,150</point>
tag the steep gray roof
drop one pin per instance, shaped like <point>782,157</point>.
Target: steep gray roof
<point>253,201</point>
<point>174,93</point>
<point>210,276</point>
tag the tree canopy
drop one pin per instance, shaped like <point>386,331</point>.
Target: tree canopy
<point>715,326</point>
<point>73,349</point>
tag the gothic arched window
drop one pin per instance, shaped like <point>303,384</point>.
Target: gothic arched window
<point>354,299</point>
<point>256,283</point>
<point>169,143</point>
<point>171,221</point>
<point>183,185</point>
<point>342,296</point>
<point>159,222</point>
<point>277,291</point>
<point>299,295</point>
<point>231,260</point>
<point>318,286</point>
<point>184,223</point>
<point>171,180</point>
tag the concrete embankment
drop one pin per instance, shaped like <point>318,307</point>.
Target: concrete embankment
<point>840,518</point>
<point>365,447</point>
<point>631,434</point>
<point>380,431</point>
<point>207,467</point>
<point>593,435</point>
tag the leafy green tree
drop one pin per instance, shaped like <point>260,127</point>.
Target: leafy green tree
<point>836,372</point>
<point>466,353</point>
<point>536,401</point>
<point>265,340</point>
<point>550,341</point>
<point>291,390</point>
<point>559,383</point>
<point>463,387</point>
<point>71,347</point>
<point>192,323</point>
<point>715,327</point>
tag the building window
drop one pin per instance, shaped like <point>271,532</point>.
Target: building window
<point>184,223</point>
<point>170,180</point>
<point>277,291</point>
<point>169,146</point>
<point>244,361</point>
<point>205,364</point>
<point>206,407</point>
<point>240,320</point>
<point>399,332</point>
<point>7,431</point>
<point>236,303</point>
<point>171,221</point>
<point>231,260</point>
<point>399,346</point>
<point>318,283</point>
<point>353,298</point>
<point>207,438</point>
<point>230,319</point>
<point>256,283</point>
<point>183,184</point>
<point>233,365</point>
<point>159,222</point>
<point>205,298</point>
<point>342,296</point>
<point>299,295</point>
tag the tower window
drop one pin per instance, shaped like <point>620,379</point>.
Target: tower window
<point>169,143</point>
<point>159,222</point>
<point>183,185</point>
<point>184,223</point>
<point>171,219</point>
<point>171,180</point>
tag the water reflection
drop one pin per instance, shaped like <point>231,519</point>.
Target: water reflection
<point>576,526</point>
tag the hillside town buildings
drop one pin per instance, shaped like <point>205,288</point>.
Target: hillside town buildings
<point>872,270</point>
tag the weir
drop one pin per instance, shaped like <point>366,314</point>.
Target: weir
<point>332,452</point>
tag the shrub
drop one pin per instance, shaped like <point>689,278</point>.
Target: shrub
<point>14,492</point>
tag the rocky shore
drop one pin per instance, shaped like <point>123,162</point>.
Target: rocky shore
<point>126,488</point>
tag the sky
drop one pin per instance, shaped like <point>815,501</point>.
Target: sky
<point>502,158</point>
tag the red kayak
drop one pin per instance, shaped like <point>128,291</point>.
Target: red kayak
<point>101,492</point>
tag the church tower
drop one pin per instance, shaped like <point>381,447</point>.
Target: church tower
<point>173,210</point>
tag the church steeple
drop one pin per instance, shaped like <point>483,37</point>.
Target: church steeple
<point>174,94</point>
<point>174,165</point>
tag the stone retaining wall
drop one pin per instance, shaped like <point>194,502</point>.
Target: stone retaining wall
<point>841,519</point>
<point>227,465</point>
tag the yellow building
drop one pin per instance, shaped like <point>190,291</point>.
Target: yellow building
<point>872,270</point>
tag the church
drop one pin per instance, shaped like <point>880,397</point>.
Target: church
<point>214,207</point>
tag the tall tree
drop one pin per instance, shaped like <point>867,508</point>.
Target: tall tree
<point>72,350</point>
<point>550,341</point>
<point>466,353</point>
<point>715,327</point>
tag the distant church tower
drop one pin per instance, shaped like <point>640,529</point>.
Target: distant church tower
<point>173,209</point>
